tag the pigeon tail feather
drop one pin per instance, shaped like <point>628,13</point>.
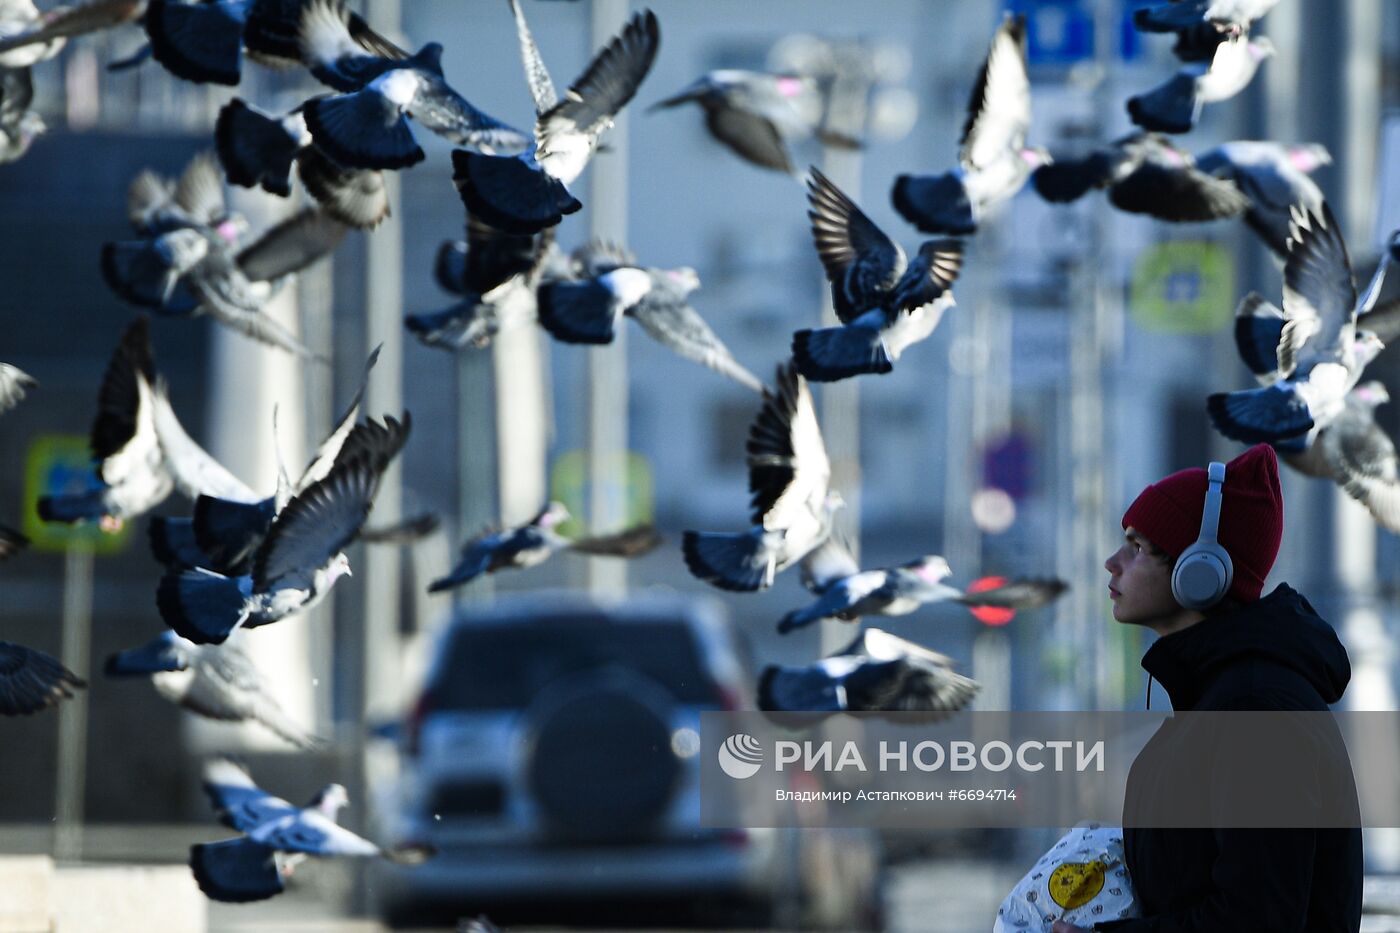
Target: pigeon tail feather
<point>831,353</point>
<point>737,562</point>
<point>197,42</point>
<point>201,606</point>
<point>1259,416</point>
<point>254,149</point>
<point>362,130</point>
<point>935,203</point>
<point>578,312</point>
<point>236,871</point>
<point>1171,108</point>
<point>509,194</point>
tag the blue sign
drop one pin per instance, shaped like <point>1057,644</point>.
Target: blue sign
<point>1061,32</point>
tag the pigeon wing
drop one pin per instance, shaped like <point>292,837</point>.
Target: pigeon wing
<point>846,239</point>
<point>330,448</point>
<point>673,323</point>
<point>1017,594</point>
<point>200,190</point>
<point>753,137</point>
<point>591,102</point>
<point>317,524</point>
<point>999,113</point>
<point>630,542</point>
<point>31,680</point>
<point>1181,194</point>
<point>195,472</point>
<point>1317,281</point>
<point>789,471</point>
<point>240,803</point>
<point>827,563</point>
<point>292,245</point>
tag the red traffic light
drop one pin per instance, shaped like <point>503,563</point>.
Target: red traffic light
<point>989,615</point>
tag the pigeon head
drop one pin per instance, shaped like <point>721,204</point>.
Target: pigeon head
<point>1372,393</point>
<point>1036,156</point>
<point>931,568</point>
<point>1261,48</point>
<point>554,515</point>
<point>833,502</point>
<point>684,278</point>
<point>331,799</point>
<point>231,228</point>
<point>1309,158</point>
<point>339,567</point>
<point>1367,347</point>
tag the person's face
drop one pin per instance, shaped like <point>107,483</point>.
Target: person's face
<point>1140,583</point>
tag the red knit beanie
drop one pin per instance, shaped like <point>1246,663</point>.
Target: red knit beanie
<point>1168,514</point>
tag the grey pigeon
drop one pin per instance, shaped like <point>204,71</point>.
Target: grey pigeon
<point>258,150</point>
<point>791,503</point>
<point>296,563</point>
<point>1175,106</point>
<point>846,592</point>
<point>1321,352</point>
<point>534,542</point>
<point>1274,177</point>
<point>529,192</point>
<point>28,36</point>
<point>14,383</point>
<point>885,303</point>
<point>757,115</point>
<point>993,161</point>
<point>589,310</point>
<point>252,867</point>
<point>205,42</point>
<point>216,681</point>
<point>1379,311</point>
<point>1144,174</point>
<point>876,672</point>
<point>367,127</point>
<point>31,681</point>
<point>19,125</point>
<point>1362,456</point>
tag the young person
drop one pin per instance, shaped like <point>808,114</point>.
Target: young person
<point>1247,651</point>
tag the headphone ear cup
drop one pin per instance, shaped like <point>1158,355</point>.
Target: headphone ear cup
<point>1202,576</point>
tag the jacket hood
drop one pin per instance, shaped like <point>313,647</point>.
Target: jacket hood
<point>1281,628</point>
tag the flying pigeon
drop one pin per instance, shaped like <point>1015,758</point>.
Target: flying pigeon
<point>846,592</point>
<point>1274,177</point>
<point>28,36</point>
<point>528,192</point>
<point>296,563</point>
<point>204,42</point>
<point>219,682</point>
<point>366,126</point>
<point>31,681</point>
<point>14,383</point>
<point>1144,174</point>
<point>1175,106</point>
<point>589,310</point>
<point>790,500</point>
<point>993,161</point>
<point>1379,311</point>
<point>257,150</point>
<point>19,125</point>
<point>1352,449</point>
<point>877,672</point>
<point>1230,16</point>
<point>193,267</point>
<point>758,115</point>
<point>534,542</point>
<point>493,273</point>
<point>885,303</point>
<point>130,475</point>
<point>1321,352</point>
<point>251,867</point>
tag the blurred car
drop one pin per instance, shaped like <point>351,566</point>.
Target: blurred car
<point>552,756</point>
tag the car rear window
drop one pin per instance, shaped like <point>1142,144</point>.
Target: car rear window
<point>505,666</point>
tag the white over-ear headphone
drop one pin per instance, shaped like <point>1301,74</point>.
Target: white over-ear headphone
<point>1203,572</point>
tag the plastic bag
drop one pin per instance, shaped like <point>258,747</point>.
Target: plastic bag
<point>1082,880</point>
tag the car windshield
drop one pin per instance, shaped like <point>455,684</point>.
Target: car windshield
<point>501,667</point>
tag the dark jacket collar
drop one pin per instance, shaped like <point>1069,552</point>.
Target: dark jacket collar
<point>1281,628</point>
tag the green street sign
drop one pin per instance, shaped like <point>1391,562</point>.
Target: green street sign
<point>568,483</point>
<point>1183,287</point>
<point>61,464</point>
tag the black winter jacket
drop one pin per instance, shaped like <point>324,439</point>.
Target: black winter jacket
<point>1273,654</point>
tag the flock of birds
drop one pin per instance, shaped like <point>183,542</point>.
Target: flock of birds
<point>241,559</point>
